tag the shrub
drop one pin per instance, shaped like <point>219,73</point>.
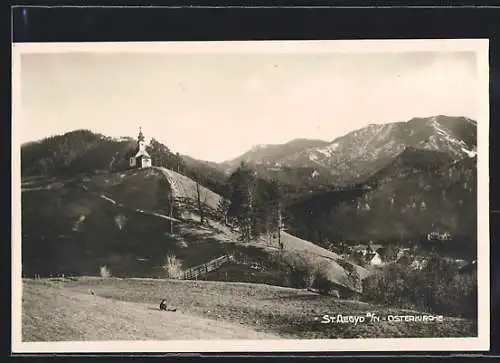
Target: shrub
<point>321,282</point>
<point>173,267</point>
<point>105,272</point>
<point>437,288</point>
<point>298,270</point>
<point>120,220</point>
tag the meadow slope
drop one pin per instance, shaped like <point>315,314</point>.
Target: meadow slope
<point>126,309</point>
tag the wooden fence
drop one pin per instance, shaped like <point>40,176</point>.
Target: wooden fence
<point>194,272</point>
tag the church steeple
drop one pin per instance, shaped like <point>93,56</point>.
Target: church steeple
<point>141,143</point>
<point>141,135</point>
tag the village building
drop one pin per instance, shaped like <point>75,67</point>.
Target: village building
<point>141,158</point>
<point>373,258</point>
<point>469,268</point>
<point>438,236</point>
<point>367,255</point>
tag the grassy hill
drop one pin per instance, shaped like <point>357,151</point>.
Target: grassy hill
<point>126,309</point>
<point>120,220</point>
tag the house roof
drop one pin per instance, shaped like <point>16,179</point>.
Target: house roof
<point>372,255</point>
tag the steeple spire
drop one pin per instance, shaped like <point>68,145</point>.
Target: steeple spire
<point>141,136</point>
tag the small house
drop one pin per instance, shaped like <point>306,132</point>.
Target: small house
<point>374,259</point>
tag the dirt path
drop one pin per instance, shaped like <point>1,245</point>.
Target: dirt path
<point>57,315</point>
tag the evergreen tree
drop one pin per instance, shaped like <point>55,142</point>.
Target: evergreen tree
<point>254,203</point>
<point>241,183</point>
<point>267,207</point>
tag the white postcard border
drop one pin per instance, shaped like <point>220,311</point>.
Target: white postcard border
<point>482,342</point>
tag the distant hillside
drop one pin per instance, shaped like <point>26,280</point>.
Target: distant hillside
<point>411,161</point>
<point>270,155</point>
<point>404,201</point>
<point>209,174</point>
<point>208,166</point>
<point>352,158</point>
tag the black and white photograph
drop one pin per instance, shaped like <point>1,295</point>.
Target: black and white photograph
<point>250,196</point>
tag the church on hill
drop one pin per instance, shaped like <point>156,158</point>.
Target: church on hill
<point>141,159</point>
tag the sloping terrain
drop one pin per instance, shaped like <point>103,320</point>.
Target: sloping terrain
<point>121,220</point>
<point>126,309</point>
<point>186,188</point>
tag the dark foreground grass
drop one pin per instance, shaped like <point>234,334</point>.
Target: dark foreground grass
<point>288,312</point>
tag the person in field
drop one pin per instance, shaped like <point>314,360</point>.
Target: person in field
<point>163,305</point>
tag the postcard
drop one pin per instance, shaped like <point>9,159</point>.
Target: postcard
<point>257,196</point>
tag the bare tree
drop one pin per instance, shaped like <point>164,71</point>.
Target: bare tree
<point>200,204</point>
<point>222,209</point>
<point>171,213</point>
<point>280,221</point>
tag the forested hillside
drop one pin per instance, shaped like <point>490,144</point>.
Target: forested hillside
<point>83,152</point>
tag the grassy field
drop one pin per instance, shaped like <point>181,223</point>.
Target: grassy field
<point>59,309</point>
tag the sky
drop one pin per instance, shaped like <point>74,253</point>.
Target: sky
<point>215,106</point>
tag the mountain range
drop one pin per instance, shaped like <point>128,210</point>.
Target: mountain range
<point>355,156</point>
